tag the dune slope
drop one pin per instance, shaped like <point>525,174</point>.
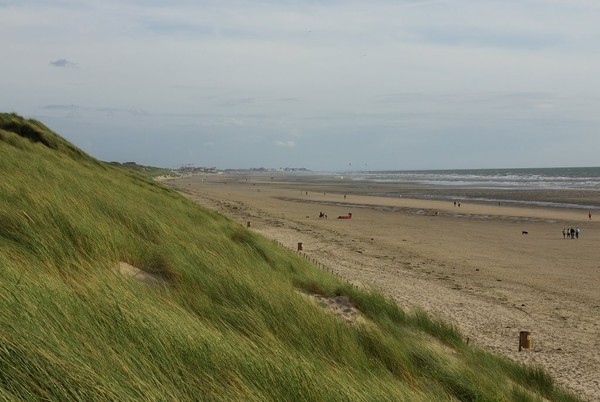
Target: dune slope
<point>223,315</point>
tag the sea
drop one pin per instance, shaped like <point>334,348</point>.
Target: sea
<point>575,178</point>
<point>564,187</point>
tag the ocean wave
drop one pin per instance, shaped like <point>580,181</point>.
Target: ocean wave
<point>548,178</point>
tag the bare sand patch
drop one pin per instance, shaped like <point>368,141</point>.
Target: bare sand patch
<point>138,274</point>
<point>339,306</point>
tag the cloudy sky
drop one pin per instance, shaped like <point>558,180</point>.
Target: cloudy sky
<point>383,84</point>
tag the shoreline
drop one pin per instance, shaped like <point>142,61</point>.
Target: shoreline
<point>583,199</point>
<point>470,266</point>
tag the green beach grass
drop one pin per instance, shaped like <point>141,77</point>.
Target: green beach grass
<point>228,318</point>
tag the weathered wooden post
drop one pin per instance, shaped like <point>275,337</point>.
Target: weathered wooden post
<point>248,224</point>
<point>524,340</point>
<point>300,246</point>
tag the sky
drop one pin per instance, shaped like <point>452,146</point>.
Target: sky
<point>328,85</point>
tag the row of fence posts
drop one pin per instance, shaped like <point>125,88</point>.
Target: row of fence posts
<point>318,263</point>
<point>312,260</point>
<point>525,341</point>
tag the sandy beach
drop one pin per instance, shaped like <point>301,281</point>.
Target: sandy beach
<point>470,265</point>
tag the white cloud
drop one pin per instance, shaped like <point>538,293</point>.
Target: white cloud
<point>285,144</point>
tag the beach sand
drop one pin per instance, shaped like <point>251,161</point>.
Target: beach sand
<point>470,265</point>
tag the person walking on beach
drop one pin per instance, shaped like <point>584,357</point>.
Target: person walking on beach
<point>590,215</point>
<point>577,230</point>
<point>564,233</point>
<point>572,233</point>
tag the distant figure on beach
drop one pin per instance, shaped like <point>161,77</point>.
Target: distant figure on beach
<point>459,204</point>
<point>564,233</point>
<point>590,215</point>
<point>572,233</point>
<point>345,198</point>
<point>577,230</point>
<point>322,215</point>
<point>349,216</point>
<point>454,203</point>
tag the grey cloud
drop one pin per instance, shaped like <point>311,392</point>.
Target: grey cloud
<point>469,36</point>
<point>237,102</point>
<point>476,98</point>
<point>61,107</point>
<point>62,63</point>
<point>286,100</point>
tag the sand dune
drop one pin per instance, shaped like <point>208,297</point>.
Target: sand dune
<point>470,265</point>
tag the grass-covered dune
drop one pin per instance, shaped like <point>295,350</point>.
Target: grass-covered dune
<point>227,319</point>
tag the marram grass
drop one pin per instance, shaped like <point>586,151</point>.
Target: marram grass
<point>227,321</point>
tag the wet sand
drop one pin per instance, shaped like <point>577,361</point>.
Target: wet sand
<point>470,265</point>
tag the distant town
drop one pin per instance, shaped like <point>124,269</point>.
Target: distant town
<point>192,169</point>
<point>199,169</point>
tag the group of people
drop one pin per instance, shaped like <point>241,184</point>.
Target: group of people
<point>571,233</point>
<point>323,215</point>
